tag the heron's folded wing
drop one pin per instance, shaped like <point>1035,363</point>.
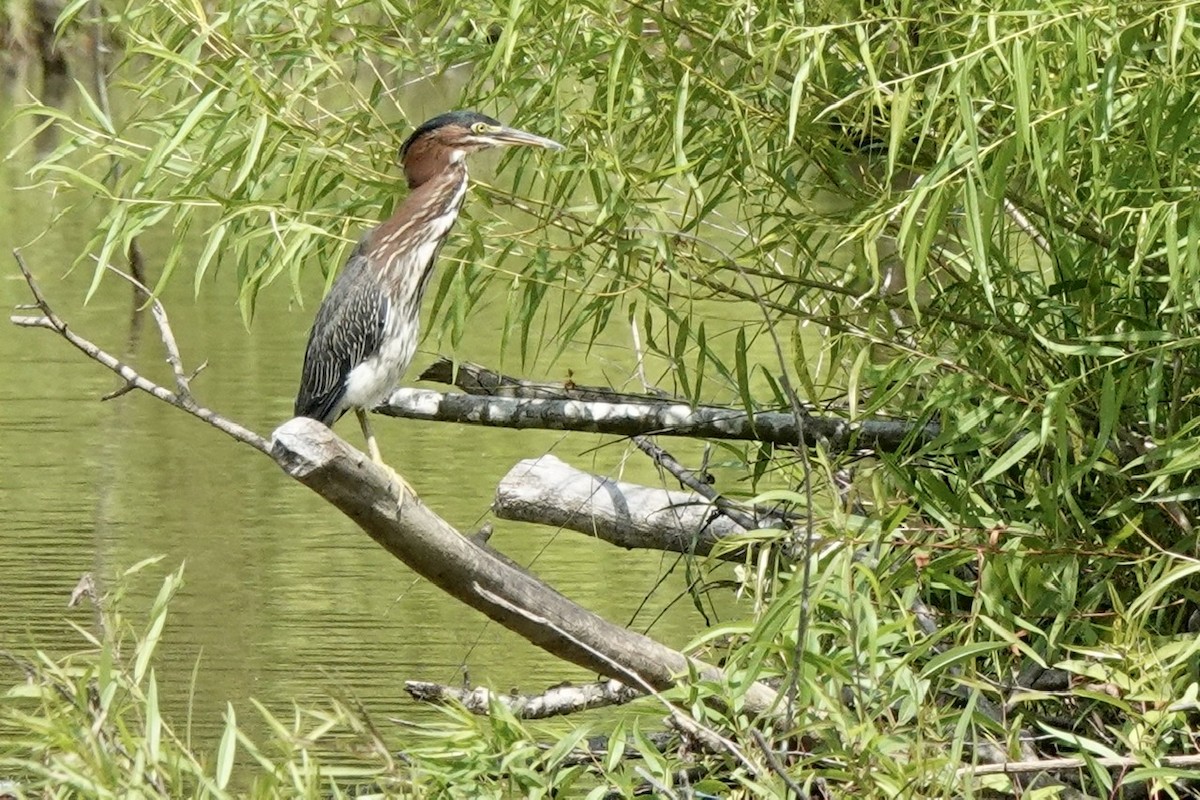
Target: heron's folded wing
<point>349,329</point>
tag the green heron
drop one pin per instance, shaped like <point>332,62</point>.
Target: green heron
<point>366,330</point>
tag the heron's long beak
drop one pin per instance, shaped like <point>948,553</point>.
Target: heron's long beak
<point>516,137</point>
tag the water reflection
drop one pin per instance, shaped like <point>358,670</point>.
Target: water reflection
<point>284,598</point>
<point>54,93</point>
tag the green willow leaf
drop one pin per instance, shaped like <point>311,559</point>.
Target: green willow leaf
<point>1023,447</point>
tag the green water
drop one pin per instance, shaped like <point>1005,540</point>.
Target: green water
<point>284,599</point>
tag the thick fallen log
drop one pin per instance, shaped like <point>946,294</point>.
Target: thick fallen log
<point>475,574</point>
<point>668,419</point>
<point>548,491</point>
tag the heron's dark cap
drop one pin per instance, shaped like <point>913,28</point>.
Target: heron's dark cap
<point>464,119</point>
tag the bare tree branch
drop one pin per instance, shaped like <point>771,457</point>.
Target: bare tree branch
<point>1061,764</point>
<point>548,491</point>
<point>671,419</point>
<point>182,387</point>
<point>687,478</point>
<point>678,417</point>
<point>52,321</point>
<point>409,530</point>
<point>774,764</point>
<point>555,701</point>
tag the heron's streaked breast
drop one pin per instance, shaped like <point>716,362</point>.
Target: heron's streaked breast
<point>407,267</point>
<point>404,256</point>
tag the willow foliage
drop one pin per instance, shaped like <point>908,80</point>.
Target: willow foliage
<point>982,215</point>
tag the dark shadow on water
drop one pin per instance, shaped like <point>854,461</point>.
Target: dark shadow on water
<point>54,94</point>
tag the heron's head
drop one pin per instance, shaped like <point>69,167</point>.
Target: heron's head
<point>451,137</point>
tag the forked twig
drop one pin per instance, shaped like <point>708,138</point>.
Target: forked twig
<point>132,378</point>
<point>183,389</point>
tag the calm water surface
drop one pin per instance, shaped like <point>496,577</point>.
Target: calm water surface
<point>284,598</point>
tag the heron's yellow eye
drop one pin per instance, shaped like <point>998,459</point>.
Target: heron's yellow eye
<point>480,127</point>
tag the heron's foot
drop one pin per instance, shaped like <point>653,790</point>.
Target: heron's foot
<point>397,481</point>
<point>377,457</point>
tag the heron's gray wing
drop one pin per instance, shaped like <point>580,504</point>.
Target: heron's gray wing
<point>348,329</point>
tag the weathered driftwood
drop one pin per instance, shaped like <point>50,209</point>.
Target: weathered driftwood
<point>476,575</point>
<point>548,491</point>
<point>555,701</point>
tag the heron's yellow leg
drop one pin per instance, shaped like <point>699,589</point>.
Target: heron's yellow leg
<point>372,445</point>
<point>373,450</point>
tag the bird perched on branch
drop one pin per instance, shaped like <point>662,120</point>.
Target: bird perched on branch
<point>366,330</point>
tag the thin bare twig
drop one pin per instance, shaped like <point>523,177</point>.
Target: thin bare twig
<point>774,764</point>
<point>702,488</point>
<point>52,321</point>
<point>1025,224</point>
<point>637,350</point>
<point>183,389</point>
<point>115,393</point>
<point>39,299</point>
